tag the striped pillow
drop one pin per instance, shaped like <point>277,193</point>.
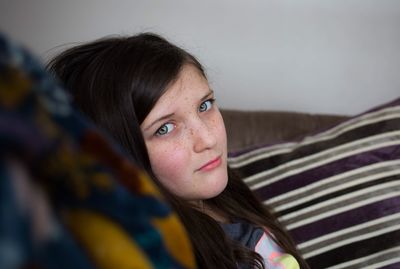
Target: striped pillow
<point>337,192</point>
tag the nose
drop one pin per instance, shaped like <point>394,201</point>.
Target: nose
<point>203,135</point>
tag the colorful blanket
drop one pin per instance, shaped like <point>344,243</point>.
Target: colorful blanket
<point>69,196</point>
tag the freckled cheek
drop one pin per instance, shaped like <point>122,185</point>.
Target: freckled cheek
<point>169,163</point>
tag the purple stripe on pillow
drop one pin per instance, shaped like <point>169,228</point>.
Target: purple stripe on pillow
<point>346,219</point>
<point>391,266</point>
<point>339,193</point>
<point>327,170</point>
<point>358,250</point>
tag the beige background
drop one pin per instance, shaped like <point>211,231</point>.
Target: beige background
<point>338,56</point>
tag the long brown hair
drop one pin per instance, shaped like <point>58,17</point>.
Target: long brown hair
<point>116,81</point>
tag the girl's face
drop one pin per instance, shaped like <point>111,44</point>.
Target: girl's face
<point>186,139</point>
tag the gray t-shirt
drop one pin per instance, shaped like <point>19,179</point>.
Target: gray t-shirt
<point>257,239</point>
<point>246,234</point>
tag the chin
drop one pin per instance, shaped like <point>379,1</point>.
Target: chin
<point>220,186</point>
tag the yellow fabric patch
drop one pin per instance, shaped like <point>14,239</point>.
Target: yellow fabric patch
<point>14,86</point>
<point>102,181</point>
<point>176,240</point>
<point>108,245</point>
<point>147,186</point>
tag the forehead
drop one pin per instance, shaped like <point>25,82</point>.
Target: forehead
<point>190,85</point>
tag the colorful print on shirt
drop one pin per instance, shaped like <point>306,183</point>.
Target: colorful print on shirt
<point>273,256</point>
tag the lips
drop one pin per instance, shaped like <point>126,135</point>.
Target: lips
<point>211,164</point>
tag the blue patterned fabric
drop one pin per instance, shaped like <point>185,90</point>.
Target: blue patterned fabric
<point>69,197</point>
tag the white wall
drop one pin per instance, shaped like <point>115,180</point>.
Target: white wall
<point>321,56</point>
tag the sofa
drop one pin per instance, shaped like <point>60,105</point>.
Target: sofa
<point>332,180</point>
<point>71,198</point>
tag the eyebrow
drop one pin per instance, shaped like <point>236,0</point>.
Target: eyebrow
<point>211,92</point>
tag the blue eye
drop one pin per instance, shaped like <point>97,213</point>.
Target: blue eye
<point>165,129</point>
<point>206,105</point>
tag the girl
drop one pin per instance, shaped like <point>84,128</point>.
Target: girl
<point>154,98</point>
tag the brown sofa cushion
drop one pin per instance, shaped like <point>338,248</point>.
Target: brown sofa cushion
<point>246,129</point>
